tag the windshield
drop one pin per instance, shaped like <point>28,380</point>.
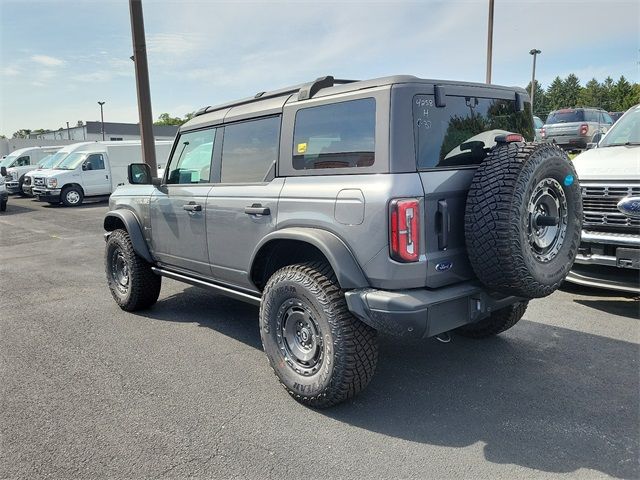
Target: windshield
<point>565,116</point>
<point>624,131</point>
<point>71,162</point>
<point>8,160</point>
<point>53,160</point>
<point>44,160</point>
<point>464,131</point>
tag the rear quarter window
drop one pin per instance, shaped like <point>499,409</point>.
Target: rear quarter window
<point>337,135</point>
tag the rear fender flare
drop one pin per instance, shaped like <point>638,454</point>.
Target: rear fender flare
<point>342,261</point>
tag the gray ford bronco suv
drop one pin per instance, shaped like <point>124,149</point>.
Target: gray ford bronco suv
<point>396,205</point>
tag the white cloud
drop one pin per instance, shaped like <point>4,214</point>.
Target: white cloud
<point>11,71</point>
<point>47,61</point>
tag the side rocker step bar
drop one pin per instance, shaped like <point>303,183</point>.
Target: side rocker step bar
<point>198,282</point>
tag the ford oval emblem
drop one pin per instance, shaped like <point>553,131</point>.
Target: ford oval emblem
<point>444,266</point>
<point>630,206</point>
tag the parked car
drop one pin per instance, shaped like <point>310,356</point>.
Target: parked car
<point>92,171</point>
<point>4,195</point>
<point>573,128</point>
<point>399,205</point>
<point>609,255</point>
<point>615,116</point>
<point>21,161</point>
<point>538,125</point>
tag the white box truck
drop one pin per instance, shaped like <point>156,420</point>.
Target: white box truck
<point>91,172</point>
<point>21,161</point>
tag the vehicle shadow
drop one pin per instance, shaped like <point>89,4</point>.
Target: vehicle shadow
<point>539,396</point>
<point>623,304</point>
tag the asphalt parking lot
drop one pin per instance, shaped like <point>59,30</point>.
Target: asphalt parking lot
<point>87,390</point>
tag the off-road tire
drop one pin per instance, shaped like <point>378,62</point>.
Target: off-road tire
<point>496,323</point>
<point>68,191</point>
<point>3,206</point>
<point>348,350</point>
<point>143,286</point>
<point>498,221</point>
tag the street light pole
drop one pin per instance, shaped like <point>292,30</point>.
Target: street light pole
<point>490,42</point>
<point>535,53</point>
<point>102,118</point>
<point>142,85</point>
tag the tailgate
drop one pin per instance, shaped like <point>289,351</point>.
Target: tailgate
<point>444,206</point>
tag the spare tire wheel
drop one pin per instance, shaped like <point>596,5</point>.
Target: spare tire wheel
<point>523,219</point>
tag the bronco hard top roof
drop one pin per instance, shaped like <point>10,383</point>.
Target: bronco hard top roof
<point>321,87</point>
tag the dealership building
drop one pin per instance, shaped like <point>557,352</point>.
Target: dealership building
<point>92,131</point>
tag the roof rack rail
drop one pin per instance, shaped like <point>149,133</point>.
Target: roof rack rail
<point>305,91</point>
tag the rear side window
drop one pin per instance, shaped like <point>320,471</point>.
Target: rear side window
<point>338,135</point>
<point>567,115</point>
<point>191,160</point>
<point>250,150</point>
<point>463,132</point>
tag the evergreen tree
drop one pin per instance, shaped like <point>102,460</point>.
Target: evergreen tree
<point>572,90</point>
<point>591,95</point>
<point>539,100</point>
<point>622,95</point>
<point>607,95</point>
<point>555,94</point>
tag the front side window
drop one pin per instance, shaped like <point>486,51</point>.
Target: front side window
<point>94,162</point>
<point>464,131</point>
<point>191,160</point>
<point>338,135</point>
<point>23,161</point>
<point>250,150</point>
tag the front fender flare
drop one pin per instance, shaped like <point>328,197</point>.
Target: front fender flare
<point>134,229</point>
<point>344,264</point>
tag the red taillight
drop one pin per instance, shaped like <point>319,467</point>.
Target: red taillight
<point>584,128</point>
<point>508,138</point>
<point>405,230</point>
<point>543,132</point>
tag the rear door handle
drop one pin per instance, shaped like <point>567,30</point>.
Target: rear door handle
<point>257,209</point>
<point>192,207</point>
<point>443,231</point>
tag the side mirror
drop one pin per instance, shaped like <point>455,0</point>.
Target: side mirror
<point>591,145</point>
<point>596,138</point>
<point>3,171</point>
<point>139,174</point>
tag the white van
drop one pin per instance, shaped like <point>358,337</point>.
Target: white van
<point>91,172</point>
<point>49,163</point>
<point>21,161</point>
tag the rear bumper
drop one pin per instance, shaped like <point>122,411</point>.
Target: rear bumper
<point>569,141</point>
<point>421,313</point>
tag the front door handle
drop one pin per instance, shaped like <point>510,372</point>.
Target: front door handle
<point>257,209</point>
<point>192,207</point>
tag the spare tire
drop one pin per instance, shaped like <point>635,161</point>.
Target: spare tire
<point>523,219</point>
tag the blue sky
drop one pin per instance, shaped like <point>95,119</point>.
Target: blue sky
<point>59,57</point>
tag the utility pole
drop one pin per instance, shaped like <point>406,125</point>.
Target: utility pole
<point>102,118</point>
<point>535,53</point>
<point>490,42</point>
<point>142,85</point>
<point>68,132</point>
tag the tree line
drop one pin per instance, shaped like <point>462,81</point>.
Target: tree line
<point>568,93</point>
